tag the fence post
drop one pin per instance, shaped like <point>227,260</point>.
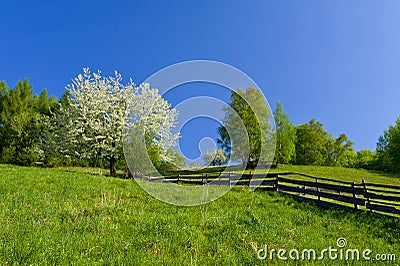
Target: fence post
<point>365,194</point>
<point>179,175</point>
<point>354,195</point>
<point>202,178</point>
<point>229,179</point>
<point>206,179</point>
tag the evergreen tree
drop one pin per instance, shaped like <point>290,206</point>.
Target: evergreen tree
<point>22,117</point>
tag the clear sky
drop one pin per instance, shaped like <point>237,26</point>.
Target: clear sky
<point>337,61</point>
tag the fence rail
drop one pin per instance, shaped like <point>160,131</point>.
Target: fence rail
<point>365,196</point>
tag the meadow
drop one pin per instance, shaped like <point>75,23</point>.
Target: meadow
<point>69,216</point>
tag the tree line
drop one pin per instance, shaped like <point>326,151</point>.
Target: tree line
<point>83,128</point>
<point>311,144</point>
<point>305,144</point>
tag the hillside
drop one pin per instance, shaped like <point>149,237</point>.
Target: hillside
<point>341,173</point>
<point>51,216</point>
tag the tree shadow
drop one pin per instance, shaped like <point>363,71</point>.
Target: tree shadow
<point>385,173</point>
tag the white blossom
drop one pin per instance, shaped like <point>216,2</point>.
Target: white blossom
<point>92,127</point>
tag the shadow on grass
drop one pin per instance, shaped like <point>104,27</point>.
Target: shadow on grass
<point>389,225</point>
<point>385,173</point>
<point>206,170</point>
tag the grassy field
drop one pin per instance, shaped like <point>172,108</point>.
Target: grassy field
<point>344,174</point>
<point>60,216</point>
<point>338,173</point>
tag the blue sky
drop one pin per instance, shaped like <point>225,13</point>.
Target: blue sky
<point>336,61</point>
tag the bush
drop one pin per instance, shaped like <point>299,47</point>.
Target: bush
<point>365,159</point>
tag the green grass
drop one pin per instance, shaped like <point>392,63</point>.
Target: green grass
<point>63,217</point>
<point>338,173</point>
<point>341,173</point>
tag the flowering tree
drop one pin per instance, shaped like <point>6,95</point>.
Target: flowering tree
<point>91,125</point>
<point>215,157</point>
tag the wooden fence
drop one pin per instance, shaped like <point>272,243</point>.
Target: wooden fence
<point>364,196</point>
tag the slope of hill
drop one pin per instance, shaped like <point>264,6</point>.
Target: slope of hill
<point>51,216</point>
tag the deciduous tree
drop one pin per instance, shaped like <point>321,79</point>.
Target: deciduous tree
<point>388,148</point>
<point>215,157</point>
<point>340,151</point>
<point>90,124</point>
<point>249,114</point>
<point>365,159</point>
<point>285,136</point>
<point>310,143</point>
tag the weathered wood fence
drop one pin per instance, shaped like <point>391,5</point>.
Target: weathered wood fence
<point>365,196</point>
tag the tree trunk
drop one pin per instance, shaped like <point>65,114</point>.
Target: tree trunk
<point>113,163</point>
<point>113,166</point>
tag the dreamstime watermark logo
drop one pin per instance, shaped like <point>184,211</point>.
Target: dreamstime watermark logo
<point>338,252</point>
<point>200,71</point>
